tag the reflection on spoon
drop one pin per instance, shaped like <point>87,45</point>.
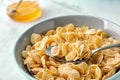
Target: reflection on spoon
<point>48,52</point>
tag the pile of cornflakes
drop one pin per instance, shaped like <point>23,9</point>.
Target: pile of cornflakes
<point>72,43</point>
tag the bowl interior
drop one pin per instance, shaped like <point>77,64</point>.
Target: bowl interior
<point>96,23</point>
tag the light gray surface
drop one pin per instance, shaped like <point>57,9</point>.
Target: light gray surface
<point>10,30</point>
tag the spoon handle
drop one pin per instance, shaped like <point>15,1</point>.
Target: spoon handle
<point>19,3</point>
<point>106,47</point>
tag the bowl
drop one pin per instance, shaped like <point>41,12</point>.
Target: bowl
<point>94,22</point>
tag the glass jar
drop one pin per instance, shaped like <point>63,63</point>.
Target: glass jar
<point>28,10</point>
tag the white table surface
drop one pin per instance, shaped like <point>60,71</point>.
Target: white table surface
<point>10,31</point>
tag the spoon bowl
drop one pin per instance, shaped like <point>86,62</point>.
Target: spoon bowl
<point>14,10</point>
<point>48,52</point>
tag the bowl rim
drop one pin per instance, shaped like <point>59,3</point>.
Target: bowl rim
<point>48,19</point>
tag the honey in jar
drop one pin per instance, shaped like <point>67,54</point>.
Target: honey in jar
<point>26,12</point>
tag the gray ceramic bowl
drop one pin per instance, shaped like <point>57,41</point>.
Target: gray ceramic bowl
<point>42,27</point>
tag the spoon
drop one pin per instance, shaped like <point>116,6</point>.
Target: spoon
<point>48,52</point>
<point>14,10</point>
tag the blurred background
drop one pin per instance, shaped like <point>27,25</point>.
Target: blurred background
<point>11,30</point>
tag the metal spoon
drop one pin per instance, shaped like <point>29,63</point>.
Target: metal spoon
<point>48,52</point>
<point>14,10</point>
